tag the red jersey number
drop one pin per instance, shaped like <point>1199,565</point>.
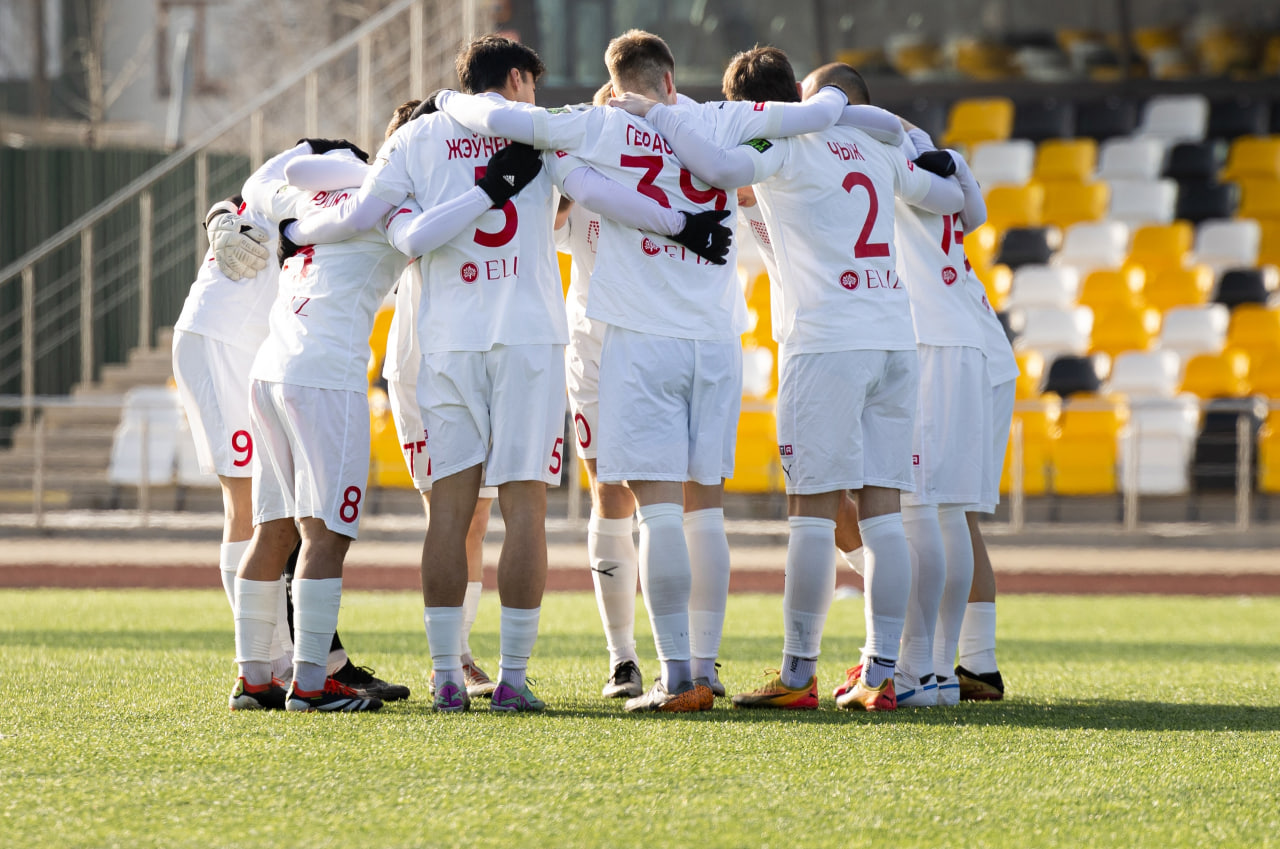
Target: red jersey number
<point>864,248</point>
<point>652,167</point>
<point>508,231</point>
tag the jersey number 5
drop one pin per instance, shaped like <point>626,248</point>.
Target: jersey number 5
<point>508,231</point>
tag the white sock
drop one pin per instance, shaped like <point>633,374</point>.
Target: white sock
<point>977,637</point>
<point>615,568</point>
<point>955,593</point>
<point>709,586</point>
<point>229,556</point>
<point>315,618</point>
<point>928,574</point>
<point>888,583</point>
<point>519,631</point>
<point>470,609</point>
<point>665,579</point>
<point>444,641</point>
<point>806,597</point>
<point>282,639</point>
<point>856,559</point>
<point>255,623</point>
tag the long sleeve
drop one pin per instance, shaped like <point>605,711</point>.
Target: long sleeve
<point>489,116</point>
<point>262,184</point>
<point>813,115</point>
<point>878,123</point>
<point>706,160</point>
<point>423,232</point>
<point>339,223</point>
<point>325,173</point>
<point>974,214</point>
<point>607,198</point>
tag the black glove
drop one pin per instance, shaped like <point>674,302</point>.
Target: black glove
<point>286,248</point>
<point>937,162</point>
<point>705,235</point>
<point>326,145</point>
<point>427,106</point>
<point>509,171</point>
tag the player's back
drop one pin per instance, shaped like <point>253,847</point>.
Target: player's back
<point>934,268</point>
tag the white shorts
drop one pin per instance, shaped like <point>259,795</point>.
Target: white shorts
<point>582,377</point>
<point>845,420</point>
<point>213,383</point>
<point>313,449</point>
<point>406,415</point>
<point>503,408</point>
<point>668,408</point>
<point>1003,397</point>
<point>950,447</point>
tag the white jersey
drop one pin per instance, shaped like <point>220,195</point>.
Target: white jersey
<point>1002,366</point>
<point>754,218</point>
<point>403,354</point>
<point>496,283</point>
<point>232,311</point>
<point>581,240</point>
<point>329,294</point>
<point>827,201</point>
<point>643,281</point>
<point>933,266</point>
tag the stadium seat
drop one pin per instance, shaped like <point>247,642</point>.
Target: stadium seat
<point>1194,330</point>
<point>1269,243</point>
<point>1227,244</point>
<point>1124,328</point>
<point>1002,163</point>
<point>912,55</point>
<point>1232,117</point>
<point>975,120</point>
<point>1044,286</point>
<point>1260,198</point>
<point>1026,246</point>
<point>980,247</point>
<point>1067,203</point>
<point>1222,52</point>
<point>1015,206</point>
<point>1253,157</point>
<point>1035,422</point>
<point>1112,287</point>
<point>1217,446</point>
<point>1271,67</point>
<point>759,372</point>
<point>1199,202</point>
<point>1264,374</point>
<point>1195,162</point>
<point>1256,330</point>
<point>1092,245</point>
<point>981,60</point>
<point>1142,202</point>
<point>1104,119</point>
<point>1040,120</point>
<point>756,466</point>
<point>1162,433</point>
<point>997,282</point>
<point>1030,374</point>
<point>1175,118</point>
<point>1244,286</point>
<point>927,113</point>
<point>1072,375</point>
<point>1178,287</point>
<point>1052,332</point>
<point>1222,375</point>
<point>1066,160</point>
<point>1130,159</point>
<point>1084,456</point>
<point>188,463</point>
<point>1145,374</point>
<point>1269,454</point>
<point>150,415</point>
<point>1162,246</point>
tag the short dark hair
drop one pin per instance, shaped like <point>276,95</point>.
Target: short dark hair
<point>484,63</point>
<point>401,116</point>
<point>844,77</point>
<point>761,73</point>
<point>639,59</point>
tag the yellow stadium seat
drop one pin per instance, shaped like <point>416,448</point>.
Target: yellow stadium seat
<point>1260,198</point>
<point>387,465</point>
<point>1067,203</point>
<point>1109,287</point>
<point>983,60</point>
<point>1269,243</point>
<point>1264,375</point>
<point>997,282</point>
<point>756,467</point>
<point>861,57</point>
<point>1253,156</point>
<point>1066,160</point>
<point>1271,57</point>
<point>1030,374</point>
<point>1149,40</point>
<point>566,265</point>
<point>977,120</point>
<point>1037,419</point>
<point>1255,330</point>
<point>1015,206</point>
<point>1160,246</point>
<point>914,59</point>
<point>1178,287</point>
<point>1222,52</point>
<point>980,247</point>
<point>1123,328</point>
<point>1269,454</point>
<point>1084,451</point>
<point>378,343</point>
<point>1224,375</point>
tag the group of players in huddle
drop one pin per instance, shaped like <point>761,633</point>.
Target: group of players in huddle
<point>895,386</point>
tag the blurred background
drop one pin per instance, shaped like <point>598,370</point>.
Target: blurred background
<point>1130,151</point>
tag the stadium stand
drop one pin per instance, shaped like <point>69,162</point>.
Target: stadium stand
<point>1025,246</point>
<point>976,120</point>
<point>1003,163</point>
<point>1125,158</point>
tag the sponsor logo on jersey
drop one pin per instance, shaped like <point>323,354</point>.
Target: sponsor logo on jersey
<point>469,272</point>
<point>785,450</point>
<point>650,247</point>
<point>849,280</point>
<point>558,110</point>
<point>561,154</point>
<point>845,152</point>
<point>949,276</point>
<point>760,145</point>
<point>757,107</point>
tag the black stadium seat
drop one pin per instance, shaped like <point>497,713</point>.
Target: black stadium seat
<point>1201,201</point>
<point>1242,286</point>
<point>1009,332</point>
<point>1104,119</point>
<point>1195,162</point>
<point>1026,246</point>
<point>1213,466</point>
<point>1232,117</point>
<point>1038,120</point>
<point>1071,375</point>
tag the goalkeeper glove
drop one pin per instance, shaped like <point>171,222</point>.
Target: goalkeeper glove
<point>238,246</point>
<point>326,145</point>
<point>509,170</point>
<point>705,235</point>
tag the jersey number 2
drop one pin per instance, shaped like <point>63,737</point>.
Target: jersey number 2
<point>864,248</point>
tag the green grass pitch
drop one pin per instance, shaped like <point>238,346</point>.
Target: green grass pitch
<point>1150,722</point>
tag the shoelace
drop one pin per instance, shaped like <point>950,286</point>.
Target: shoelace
<point>333,685</point>
<point>623,672</point>
<point>362,674</point>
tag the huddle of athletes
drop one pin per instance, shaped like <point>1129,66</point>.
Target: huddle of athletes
<point>894,398</point>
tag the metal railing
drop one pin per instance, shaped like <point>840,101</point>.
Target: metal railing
<point>123,268</point>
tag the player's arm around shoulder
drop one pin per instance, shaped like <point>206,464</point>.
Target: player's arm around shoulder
<point>918,187</point>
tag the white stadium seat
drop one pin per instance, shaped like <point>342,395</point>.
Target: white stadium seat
<point>1007,163</point>
<point>1141,202</point>
<point>1195,330</point>
<point>1227,244</point>
<point>1094,244</point>
<point>1174,118</point>
<point>151,415</point>
<point>1162,432</point>
<point>1145,374</point>
<point>1130,159</point>
<point>1044,286</point>
<point>1053,332</point>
